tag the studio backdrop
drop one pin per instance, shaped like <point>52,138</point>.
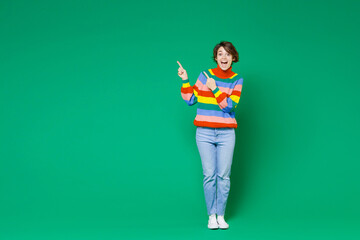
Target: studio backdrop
<point>94,132</point>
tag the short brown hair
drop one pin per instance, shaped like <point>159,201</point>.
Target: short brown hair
<point>229,47</point>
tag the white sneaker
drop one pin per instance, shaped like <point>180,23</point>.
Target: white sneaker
<point>212,224</point>
<point>222,223</point>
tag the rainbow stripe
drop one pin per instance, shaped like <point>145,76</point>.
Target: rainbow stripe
<point>215,108</point>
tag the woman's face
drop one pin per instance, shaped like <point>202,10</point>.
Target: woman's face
<point>224,59</point>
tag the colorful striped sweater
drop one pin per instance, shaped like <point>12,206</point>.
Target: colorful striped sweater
<point>215,108</point>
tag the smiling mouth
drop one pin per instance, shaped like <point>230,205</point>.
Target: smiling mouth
<point>224,63</point>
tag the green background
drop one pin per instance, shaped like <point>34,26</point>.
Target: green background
<point>97,143</point>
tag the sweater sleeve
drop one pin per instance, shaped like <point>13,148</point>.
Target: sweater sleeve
<point>228,103</point>
<point>188,92</point>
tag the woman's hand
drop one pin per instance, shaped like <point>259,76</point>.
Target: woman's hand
<point>182,72</point>
<point>210,83</point>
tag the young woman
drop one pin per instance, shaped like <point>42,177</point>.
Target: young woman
<point>217,92</point>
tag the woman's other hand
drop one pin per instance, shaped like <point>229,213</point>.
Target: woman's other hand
<point>182,72</point>
<point>210,83</point>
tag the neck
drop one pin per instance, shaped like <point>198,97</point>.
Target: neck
<point>221,73</point>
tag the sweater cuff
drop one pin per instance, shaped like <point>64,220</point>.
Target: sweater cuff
<point>185,83</point>
<point>216,92</point>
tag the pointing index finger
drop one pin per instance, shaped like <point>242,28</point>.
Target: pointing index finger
<point>179,64</point>
<point>206,75</point>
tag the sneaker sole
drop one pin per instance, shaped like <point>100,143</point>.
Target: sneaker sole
<point>213,228</point>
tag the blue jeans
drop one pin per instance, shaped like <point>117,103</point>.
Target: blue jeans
<point>216,148</point>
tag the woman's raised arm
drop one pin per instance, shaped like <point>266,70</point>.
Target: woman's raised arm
<point>188,92</point>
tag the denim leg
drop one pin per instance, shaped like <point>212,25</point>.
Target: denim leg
<point>225,150</point>
<point>205,140</point>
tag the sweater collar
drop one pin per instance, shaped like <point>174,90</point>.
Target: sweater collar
<point>221,73</point>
